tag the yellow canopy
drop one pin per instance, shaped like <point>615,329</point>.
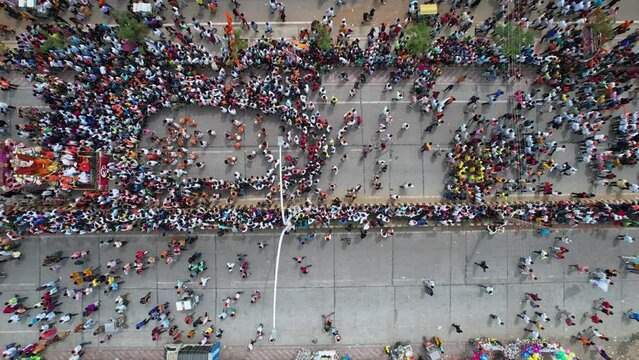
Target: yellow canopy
<point>428,9</point>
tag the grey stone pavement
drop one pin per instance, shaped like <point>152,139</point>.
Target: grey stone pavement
<point>374,286</point>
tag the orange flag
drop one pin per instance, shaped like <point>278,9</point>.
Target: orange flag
<point>229,23</point>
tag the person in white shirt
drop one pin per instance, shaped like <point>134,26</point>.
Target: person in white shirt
<point>4,107</point>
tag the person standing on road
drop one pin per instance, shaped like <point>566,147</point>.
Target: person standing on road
<point>4,107</point>
<point>365,18</point>
<point>542,316</point>
<point>593,317</point>
<point>632,315</point>
<point>80,347</point>
<point>625,237</point>
<point>524,316</point>
<point>579,267</point>
<point>67,317</point>
<point>491,101</point>
<point>534,334</point>
<point>330,13</point>
<point>304,269</point>
<point>482,264</point>
<point>497,319</point>
<point>488,289</point>
<point>250,345</point>
<point>429,286</point>
<point>282,10</point>
<point>532,298</point>
<point>543,254</point>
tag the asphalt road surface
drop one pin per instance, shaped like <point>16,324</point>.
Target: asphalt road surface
<point>374,286</point>
<point>426,171</point>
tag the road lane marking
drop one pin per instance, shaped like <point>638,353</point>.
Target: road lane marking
<point>10,284</point>
<point>368,102</point>
<point>468,82</point>
<point>209,151</point>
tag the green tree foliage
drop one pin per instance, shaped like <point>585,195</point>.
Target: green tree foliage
<point>512,38</point>
<point>419,38</point>
<point>240,43</point>
<point>323,38</point>
<point>53,42</point>
<point>602,25</point>
<point>129,27</point>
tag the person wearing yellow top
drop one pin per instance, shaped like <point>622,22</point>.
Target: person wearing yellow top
<point>548,164</point>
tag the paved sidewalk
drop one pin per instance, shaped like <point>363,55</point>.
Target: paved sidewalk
<point>619,350</point>
<point>227,353</point>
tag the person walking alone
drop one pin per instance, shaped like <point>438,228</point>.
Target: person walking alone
<point>497,319</point>
<point>482,264</point>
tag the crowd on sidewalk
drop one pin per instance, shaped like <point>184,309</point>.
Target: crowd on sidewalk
<point>83,219</point>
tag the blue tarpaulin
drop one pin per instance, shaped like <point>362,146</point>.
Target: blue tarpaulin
<point>215,351</point>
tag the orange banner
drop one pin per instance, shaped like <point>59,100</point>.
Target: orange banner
<point>229,23</point>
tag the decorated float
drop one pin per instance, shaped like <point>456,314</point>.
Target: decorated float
<point>32,168</point>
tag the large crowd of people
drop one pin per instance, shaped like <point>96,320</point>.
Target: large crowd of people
<point>118,86</point>
<point>83,219</point>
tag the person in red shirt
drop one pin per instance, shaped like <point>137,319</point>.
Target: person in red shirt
<point>623,27</point>
<point>584,340</point>
<point>7,85</point>
<point>606,311</point>
<point>595,319</point>
<point>606,304</point>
